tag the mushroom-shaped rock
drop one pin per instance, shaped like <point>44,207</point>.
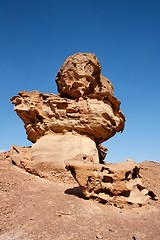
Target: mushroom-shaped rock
<point>69,128</point>
<point>85,109</point>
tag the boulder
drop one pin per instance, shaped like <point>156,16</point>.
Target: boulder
<point>69,127</point>
<point>117,184</point>
<point>50,151</point>
<point>74,122</point>
<point>80,75</point>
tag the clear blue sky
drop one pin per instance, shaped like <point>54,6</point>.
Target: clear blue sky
<point>37,35</point>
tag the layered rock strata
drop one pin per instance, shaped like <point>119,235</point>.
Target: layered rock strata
<point>98,118</point>
<point>84,114</point>
<point>70,127</point>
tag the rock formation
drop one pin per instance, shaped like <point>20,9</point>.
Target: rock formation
<point>85,105</point>
<point>71,126</point>
<point>20,156</point>
<point>118,184</point>
<point>81,76</point>
<point>84,114</point>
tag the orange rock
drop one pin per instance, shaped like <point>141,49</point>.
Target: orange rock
<point>118,184</point>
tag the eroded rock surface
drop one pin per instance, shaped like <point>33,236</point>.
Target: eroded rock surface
<point>70,127</point>
<point>43,114</point>
<point>118,184</point>
<point>20,156</point>
<point>85,106</point>
<point>49,152</point>
<point>80,76</point>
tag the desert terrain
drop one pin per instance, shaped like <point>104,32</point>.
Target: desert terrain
<point>40,200</point>
<point>33,208</point>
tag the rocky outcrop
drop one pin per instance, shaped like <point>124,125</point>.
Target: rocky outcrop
<point>20,156</point>
<point>98,119</point>
<point>118,184</point>
<point>70,127</point>
<point>4,155</point>
<point>49,152</point>
<point>80,76</point>
<point>85,105</point>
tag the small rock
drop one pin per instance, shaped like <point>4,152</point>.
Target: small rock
<point>98,236</point>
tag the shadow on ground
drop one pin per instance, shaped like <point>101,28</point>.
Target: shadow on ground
<point>76,191</point>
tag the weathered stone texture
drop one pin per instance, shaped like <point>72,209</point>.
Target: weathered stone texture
<point>118,184</point>
<point>98,119</point>
<point>85,106</point>
<point>70,127</point>
<point>49,152</point>
<point>80,75</point>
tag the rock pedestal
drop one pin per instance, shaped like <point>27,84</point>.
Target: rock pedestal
<point>50,151</point>
<point>84,114</point>
<point>70,127</point>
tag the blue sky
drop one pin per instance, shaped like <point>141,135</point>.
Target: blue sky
<point>37,35</point>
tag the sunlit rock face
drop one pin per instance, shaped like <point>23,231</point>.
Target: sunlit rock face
<point>84,109</point>
<point>67,130</point>
<point>85,103</point>
<point>116,184</point>
<point>98,119</point>
<point>80,76</point>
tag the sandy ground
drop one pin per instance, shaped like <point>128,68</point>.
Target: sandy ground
<point>32,208</point>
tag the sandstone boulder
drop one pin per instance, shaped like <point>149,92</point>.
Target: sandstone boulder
<point>80,75</point>
<point>73,123</point>
<point>70,127</point>
<point>118,184</point>
<point>85,106</point>
<point>49,152</point>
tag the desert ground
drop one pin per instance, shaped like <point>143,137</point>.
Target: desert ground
<point>33,208</point>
